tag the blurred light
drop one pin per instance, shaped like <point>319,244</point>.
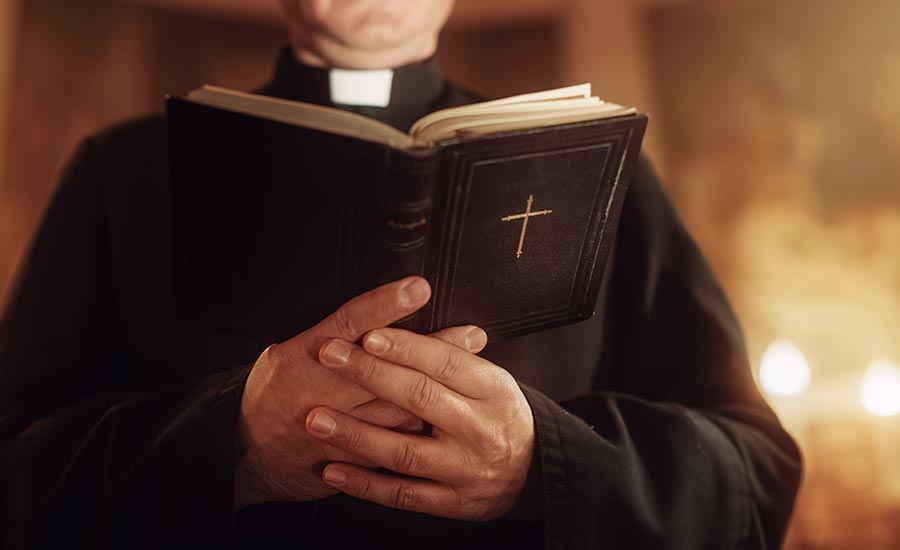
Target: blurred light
<point>880,390</point>
<point>784,370</point>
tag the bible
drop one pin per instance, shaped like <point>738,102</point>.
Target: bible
<point>283,210</point>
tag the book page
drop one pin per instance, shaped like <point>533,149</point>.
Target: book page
<point>498,125</point>
<point>436,124</point>
<point>559,106</point>
<point>502,122</point>
<point>579,91</point>
<point>306,115</point>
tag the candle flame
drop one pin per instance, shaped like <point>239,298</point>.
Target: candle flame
<point>880,389</point>
<point>783,369</point>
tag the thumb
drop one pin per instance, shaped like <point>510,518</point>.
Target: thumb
<point>468,337</point>
<point>374,309</point>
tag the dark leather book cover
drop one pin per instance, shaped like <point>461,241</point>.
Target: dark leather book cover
<point>275,225</point>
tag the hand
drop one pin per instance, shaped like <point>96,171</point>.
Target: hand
<point>278,460</point>
<point>475,465</point>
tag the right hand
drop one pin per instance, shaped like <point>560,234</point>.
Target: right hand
<point>278,460</point>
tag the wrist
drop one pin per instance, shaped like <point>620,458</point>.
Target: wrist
<point>243,474</point>
<point>247,482</point>
<point>529,505</point>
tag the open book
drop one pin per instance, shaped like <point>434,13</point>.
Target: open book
<point>559,106</point>
<point>284,210</point>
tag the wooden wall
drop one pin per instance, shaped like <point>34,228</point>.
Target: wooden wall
<point>8,17</point>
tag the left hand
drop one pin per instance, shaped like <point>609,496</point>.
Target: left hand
<point>475,464</point>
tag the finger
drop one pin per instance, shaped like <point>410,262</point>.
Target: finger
<point>377,308</point>
<point>387,415</point>
<point>415,426</point>
<point>469,337</point>
<point>401,453</point>
<point>382,413</point>
<point>453,367</point>
<point>407,388</point>
<point>304,370</point>
<point>415,495</point>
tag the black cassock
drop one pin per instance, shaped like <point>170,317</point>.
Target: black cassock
<point>117,420</point>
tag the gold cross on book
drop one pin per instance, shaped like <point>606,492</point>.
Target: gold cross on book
<point>524,217</point>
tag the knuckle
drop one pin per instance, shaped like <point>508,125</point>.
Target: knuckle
<point>406,349</point>
<point>503,385</point>
<point>344,323</point>
<point>450,366</point>
<point>402,348</point>
<point>367,368</point>
<point>352,439</point>
<point>496,449</point>
<point>408,459</point>
<point>279,356</point>
<point>422,395</point>
<point>364,489</point>
<point>501,450</point>
<point>482,470</point>
<point>454,335</point>
<point>474,504</point>
<point>404,497</point>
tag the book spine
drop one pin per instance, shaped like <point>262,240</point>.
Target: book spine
<point>408,198</point>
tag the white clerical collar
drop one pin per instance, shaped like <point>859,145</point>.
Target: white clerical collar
<point>366,88</point>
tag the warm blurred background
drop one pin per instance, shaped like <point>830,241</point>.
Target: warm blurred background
<point>775,124</point>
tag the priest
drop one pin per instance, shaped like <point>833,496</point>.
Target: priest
<point>122,426</point>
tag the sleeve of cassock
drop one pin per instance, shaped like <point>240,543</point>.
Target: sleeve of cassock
<point>84,462</point>
<point>678,450</point>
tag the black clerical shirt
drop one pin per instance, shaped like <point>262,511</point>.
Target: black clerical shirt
<point>117,419</point>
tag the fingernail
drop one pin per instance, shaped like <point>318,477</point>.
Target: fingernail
<point>336,353</point>
<point>476,339</point>
<point>334,477</point>
<point>377,343</point>
<point>415,292</point>
<point>323,424</point>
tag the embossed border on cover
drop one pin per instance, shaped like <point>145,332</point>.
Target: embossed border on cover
<point>619,137</point>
